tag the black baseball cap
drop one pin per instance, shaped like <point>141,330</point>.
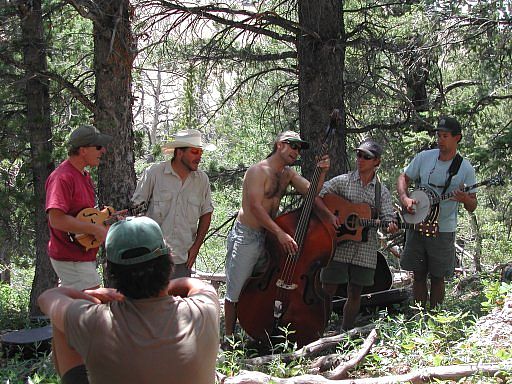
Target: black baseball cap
<point>449,124</point>
<point>370,147</point>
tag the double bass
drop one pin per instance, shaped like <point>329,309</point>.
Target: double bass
<point>288,293</point>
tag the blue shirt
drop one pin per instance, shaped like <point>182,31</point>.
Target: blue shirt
<point>427,170</point>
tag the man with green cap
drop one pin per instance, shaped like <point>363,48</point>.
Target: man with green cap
<point>149,330</point>
<point>69,189</point>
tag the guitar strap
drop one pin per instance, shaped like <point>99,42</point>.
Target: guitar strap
<point>377,194</point>
<point>452,171</point>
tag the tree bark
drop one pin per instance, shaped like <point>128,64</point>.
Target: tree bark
<point>114,52</point>
<point>39,128</point>
<point>321,60</point>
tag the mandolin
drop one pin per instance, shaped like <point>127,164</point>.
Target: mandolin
<point>106,217</point>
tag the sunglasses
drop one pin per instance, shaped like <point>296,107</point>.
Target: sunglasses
<point>363,155</point>
<point>98,147</point>
<point>294,146</point>
<point>196,151</point>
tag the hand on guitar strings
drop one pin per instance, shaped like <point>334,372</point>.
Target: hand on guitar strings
<point>392,227</point>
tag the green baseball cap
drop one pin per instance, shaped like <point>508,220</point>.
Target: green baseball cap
<point>88,136</point>
<point>141,233</point>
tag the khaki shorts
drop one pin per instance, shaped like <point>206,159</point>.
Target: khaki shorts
<point>435,255</point>
<point>341,273</point>
<point>77,274</point>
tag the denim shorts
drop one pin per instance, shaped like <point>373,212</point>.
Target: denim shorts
<point>245,249</point>
<point>435,255</point>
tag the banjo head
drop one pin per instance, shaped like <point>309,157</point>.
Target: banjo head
<point>422,208</point>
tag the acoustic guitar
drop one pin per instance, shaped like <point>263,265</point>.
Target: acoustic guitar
<point>357,218</point>
<point>105,217</point>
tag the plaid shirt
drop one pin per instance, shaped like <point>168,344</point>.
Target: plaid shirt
<point>349,187</point>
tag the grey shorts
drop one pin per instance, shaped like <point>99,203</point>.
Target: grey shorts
<point>340,273</point>
<point>245,248</point>
<point>435,255</point>
<point>77,274</point>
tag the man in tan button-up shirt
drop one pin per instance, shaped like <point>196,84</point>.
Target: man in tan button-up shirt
<point>179,199</point>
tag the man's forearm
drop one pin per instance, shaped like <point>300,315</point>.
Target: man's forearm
<point>55,301</point>
<point>202,227</point>
<point>402,185</point>
<point>187,286</point>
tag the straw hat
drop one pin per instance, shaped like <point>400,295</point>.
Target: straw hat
<point>187,138</point>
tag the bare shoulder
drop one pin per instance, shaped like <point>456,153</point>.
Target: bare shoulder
<point>259,170</point>
<point>291,175</point>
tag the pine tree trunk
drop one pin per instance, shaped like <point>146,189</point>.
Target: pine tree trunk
<point>114,52</point>
<point>321,58</point>
<point>39,128</point>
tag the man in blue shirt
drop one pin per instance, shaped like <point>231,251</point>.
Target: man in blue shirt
<point>434,257</point>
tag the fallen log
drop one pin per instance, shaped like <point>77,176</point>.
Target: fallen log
<point>309,350</point>
<point>341,371</point>
<point>423,375</point>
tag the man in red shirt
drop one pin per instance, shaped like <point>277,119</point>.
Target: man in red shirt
<point>69,189</point>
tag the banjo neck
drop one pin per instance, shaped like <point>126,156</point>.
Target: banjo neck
<point>446,196</point>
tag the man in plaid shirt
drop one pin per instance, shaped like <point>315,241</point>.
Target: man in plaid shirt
<point>354,262</point>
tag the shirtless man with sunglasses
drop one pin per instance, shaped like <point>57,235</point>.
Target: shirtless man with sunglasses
<point>264,185</point>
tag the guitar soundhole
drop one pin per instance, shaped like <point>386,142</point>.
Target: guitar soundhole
<point>352,221</point>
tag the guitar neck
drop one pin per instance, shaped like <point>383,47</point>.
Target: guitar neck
<point>134,211</point>
<point>112,219</point>
<point>382,224</point>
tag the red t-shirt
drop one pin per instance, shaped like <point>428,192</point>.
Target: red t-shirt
<point>70,191</point>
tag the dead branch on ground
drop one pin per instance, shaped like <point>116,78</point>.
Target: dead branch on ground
<point>424,375</point>
<point>341,371</point>
<point>309,350</point>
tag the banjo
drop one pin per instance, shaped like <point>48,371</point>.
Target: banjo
<point>427,201</point>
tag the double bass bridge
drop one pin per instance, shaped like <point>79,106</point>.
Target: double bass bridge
<point>282,284</point>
